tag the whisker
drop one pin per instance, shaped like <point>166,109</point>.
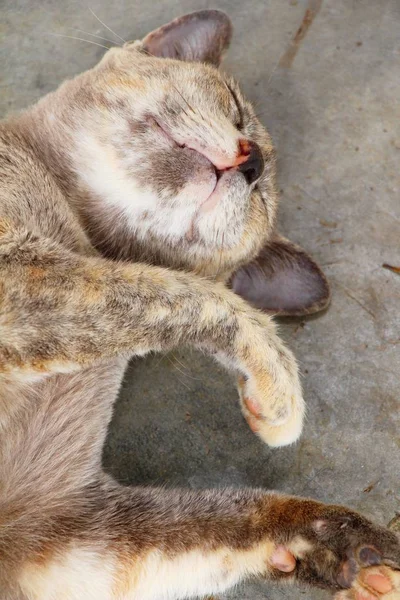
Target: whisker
<point>144,51</point>
<point>71,37</point>
<point>186,367</point>
<point>273,72</point>
<point>262,113</point>
<point>107,27</point>
<point>99,37</point>
<point>180,371</point>
<point>191,107</point>
<point>182,107</point>
<point>221,252</point>
<point>185,101</point>
<point>163,355</point>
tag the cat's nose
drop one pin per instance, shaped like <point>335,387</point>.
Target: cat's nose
<point>252,161</point>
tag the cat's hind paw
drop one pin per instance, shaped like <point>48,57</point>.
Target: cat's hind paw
<point>334,548</point>
<point>372,583</point>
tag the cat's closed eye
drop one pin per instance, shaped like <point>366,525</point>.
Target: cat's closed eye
<point>239,116</point>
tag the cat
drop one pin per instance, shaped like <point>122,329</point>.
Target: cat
<point>137,205</point>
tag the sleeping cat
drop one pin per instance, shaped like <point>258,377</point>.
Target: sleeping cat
<point>135,201</point>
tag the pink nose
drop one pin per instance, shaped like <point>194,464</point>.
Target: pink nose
<point>244,150</point>
<point>249,159</point>
<point>242,155</point>
<point>253,164</point>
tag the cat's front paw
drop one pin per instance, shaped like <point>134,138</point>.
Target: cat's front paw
<point>373,583</point>
<point>272,401</point>
<point>334,548</point>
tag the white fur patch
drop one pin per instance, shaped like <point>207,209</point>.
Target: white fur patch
<point>197,573</point>
<point>83,574</point>
<point>108,178</point>
<point>299,547</point>
<point>98,167</point>
<point>79,574</point>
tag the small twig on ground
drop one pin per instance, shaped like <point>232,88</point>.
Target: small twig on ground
<point>391,268</point>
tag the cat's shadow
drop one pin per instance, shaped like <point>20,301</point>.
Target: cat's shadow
<point>177,421</point>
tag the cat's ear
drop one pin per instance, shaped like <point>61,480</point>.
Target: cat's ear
<point>201,36</point>
<point>284,280</point>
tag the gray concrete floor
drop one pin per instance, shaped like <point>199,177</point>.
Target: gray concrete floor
<point>334,115</point>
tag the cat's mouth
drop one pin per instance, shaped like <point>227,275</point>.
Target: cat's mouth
<point>224,180</point>
<point>221,180</point>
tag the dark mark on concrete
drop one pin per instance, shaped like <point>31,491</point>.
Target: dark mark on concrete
<point>371,486</point>
<point>313,9</point>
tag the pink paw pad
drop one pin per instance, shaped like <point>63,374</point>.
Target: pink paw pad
<point>253,424</point>
<point>379,583</point>
<point>253,407</point>
<point>283,560</point>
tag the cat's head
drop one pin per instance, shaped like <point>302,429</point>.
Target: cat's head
<point>171,149</point>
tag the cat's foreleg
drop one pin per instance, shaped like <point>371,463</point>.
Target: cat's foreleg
<point>60,311</point>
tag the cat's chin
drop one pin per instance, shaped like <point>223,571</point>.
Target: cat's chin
<point>219,220</point>
<point>218,192</point>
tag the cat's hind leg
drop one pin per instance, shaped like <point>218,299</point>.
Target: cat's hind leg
<point>151,544</point>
